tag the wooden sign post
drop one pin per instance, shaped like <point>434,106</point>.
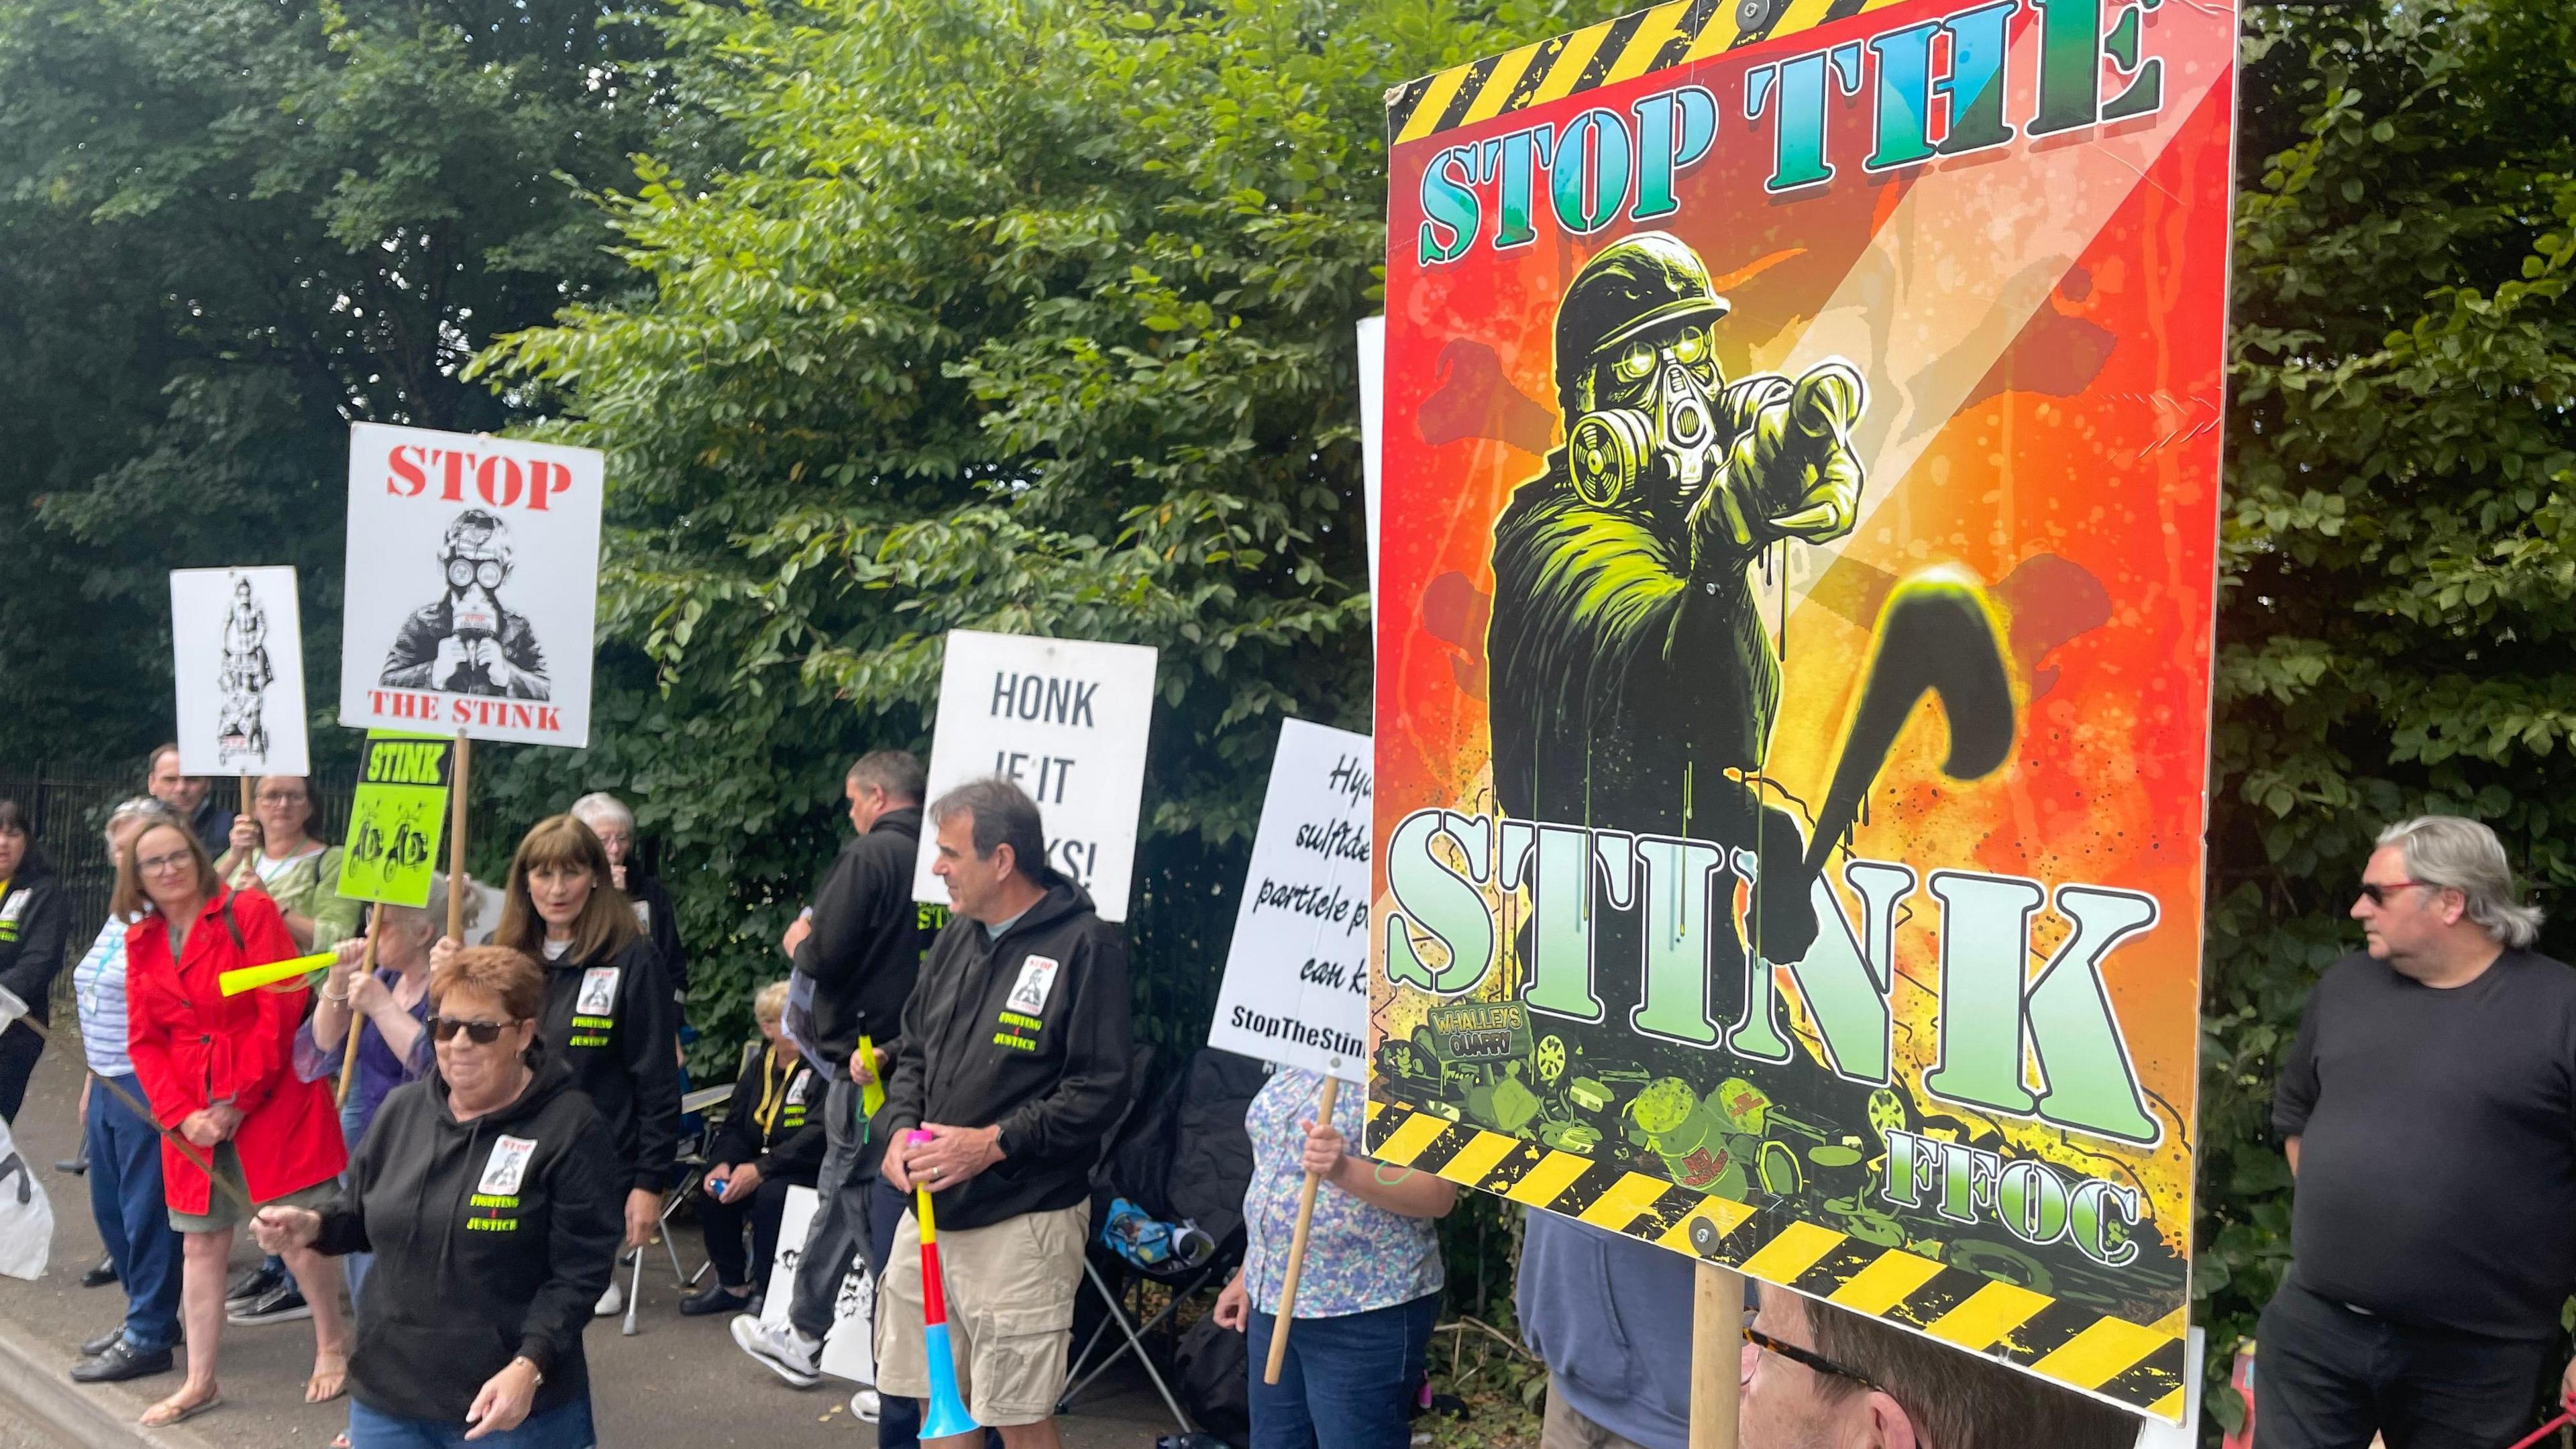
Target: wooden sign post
<point>1717,1354</point>
<point>1297,1246</point>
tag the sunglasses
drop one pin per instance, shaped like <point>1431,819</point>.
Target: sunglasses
<point>1757,1339</point>
<point>2378,892</point>
<point>481,1033</point>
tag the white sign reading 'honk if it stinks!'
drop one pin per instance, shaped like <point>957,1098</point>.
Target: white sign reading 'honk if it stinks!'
<point>1065,719</point>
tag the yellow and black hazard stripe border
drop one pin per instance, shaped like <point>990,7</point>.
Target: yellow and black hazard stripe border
<point>2128,1363</point>
<point>1598,55</point>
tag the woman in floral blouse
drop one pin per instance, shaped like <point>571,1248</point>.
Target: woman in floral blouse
<point>1369,1293</point>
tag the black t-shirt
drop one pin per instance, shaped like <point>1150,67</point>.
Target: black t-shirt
<point>2437,1144</point>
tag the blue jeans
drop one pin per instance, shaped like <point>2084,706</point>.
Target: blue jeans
<point>133,1219</point>
<point>355,1265</point>
<point>566,1427</point>
<point>1347,1382</point>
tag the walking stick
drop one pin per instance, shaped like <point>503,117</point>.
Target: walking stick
<point>1297,1245</point>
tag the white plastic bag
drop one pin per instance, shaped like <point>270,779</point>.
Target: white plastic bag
<point>26,1217</point>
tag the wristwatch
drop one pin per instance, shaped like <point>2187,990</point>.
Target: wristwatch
<point>536,1375</point>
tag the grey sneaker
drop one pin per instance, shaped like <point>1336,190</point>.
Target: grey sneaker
<point>281,1304</point>
<point>783,1350</point>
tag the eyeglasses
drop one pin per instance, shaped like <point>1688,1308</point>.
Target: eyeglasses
<point>2377,892</point>
<point>278,797</point>
<point>1763,1343</point>
<point>162,864</point>
<point>481,1033</point>
<point>487,572</point>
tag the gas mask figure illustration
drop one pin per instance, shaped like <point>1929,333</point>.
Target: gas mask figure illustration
<point>1634,683</point>
<point>467,642</point>
<point>242,732</point>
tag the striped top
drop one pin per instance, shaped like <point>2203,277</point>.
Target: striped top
<point>98,987</point>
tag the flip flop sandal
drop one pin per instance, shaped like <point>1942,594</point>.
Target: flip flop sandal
<point>337,1390</point>
<point>180,1416</point>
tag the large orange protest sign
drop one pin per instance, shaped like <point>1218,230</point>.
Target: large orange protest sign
<point>1801,486</point>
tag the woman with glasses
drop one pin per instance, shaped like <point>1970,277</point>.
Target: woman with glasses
<point>219,1070</point>
<point>125,1195</point>
<point>34,918</point>
<point>1368,1295</point>
<point>271,852</point>
<point>491,1196</point>
<point>608,1011</point>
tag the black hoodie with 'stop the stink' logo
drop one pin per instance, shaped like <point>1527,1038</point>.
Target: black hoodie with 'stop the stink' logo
<point>493,1238</point>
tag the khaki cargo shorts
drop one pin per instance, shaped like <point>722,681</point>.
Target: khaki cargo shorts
<point>1010,1312</point>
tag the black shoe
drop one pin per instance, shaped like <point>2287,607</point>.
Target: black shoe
<point>284,1304</point>
<point>71,1166</point>
<point>100,1276</point>
<point>103,1342</point>
<point>716,1299</point>
<point>120,1363</point>
<point>254,1284</point>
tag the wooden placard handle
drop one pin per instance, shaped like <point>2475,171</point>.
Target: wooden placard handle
<point>349,1058</point>
<point>1717,1354</point>
<point>456,838</point>
<point>1297,1245</point>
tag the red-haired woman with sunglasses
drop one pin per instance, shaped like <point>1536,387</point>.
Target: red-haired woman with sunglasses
<point>492,1198</point>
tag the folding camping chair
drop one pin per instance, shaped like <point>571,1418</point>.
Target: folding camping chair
<point>1184,1156</point>
<point>1119,1312</point>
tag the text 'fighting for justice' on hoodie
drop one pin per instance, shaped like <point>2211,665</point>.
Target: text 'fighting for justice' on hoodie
<point>1033,1031</point>
<point>610,1020</point>
<point>493,1239</point>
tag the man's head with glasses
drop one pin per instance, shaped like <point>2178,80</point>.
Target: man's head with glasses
<point>2437,901</point>
<point>475,550</point>
<point>1818,1377</point>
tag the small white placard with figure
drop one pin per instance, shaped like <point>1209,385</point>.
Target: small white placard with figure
<point>237,655</point>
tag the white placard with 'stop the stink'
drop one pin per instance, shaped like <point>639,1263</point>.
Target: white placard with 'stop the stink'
<point>1064,718</point>
<point>237,655</point>
<point>473,585</point>
<point>1296,978</point>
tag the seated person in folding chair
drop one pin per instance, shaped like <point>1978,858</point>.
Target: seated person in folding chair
<point>771,1140</point>
<point>1368,1295</point>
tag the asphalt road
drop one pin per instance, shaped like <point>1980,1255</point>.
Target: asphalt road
<point>679,1381</point>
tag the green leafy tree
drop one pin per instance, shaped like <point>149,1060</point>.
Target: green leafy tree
<point>227,230</point>
<point>2400,535</point>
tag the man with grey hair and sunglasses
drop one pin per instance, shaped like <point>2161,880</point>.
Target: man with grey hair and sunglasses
<point>2429,1111</point>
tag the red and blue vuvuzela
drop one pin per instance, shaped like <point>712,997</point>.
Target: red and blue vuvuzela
<point>947,1410</point>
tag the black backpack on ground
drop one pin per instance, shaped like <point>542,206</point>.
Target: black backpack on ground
<point>1211,1374</point>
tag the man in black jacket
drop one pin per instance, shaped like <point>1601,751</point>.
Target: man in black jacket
<point>1014,1065</point>
<point>857,952</point>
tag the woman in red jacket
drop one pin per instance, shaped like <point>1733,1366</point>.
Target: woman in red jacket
<point>219,1071</point>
